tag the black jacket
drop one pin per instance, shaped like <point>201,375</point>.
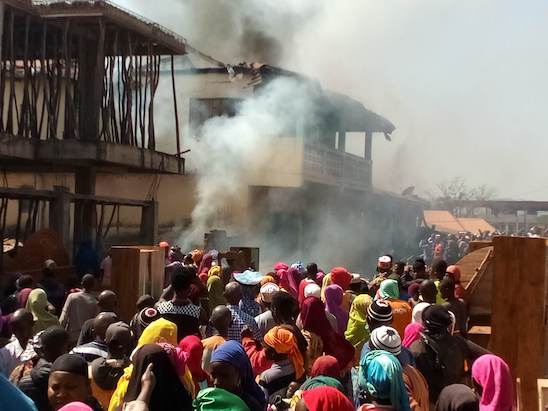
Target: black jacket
<point>35,385</point>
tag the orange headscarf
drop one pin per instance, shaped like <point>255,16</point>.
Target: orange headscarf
<point>268,279</point>
<point>283,342</point>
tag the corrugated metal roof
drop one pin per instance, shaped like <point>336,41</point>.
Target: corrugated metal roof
<point>447,223</point>
<point>474,225</point>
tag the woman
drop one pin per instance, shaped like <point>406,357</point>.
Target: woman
<point>457,397</point>
<point>169,393</point>
<point>288,364</point>
<point>412,333</point>
<point>326,365</point>
<point>324,398</point>
<point>293,281</point>
<point>38,304</point>
<point>215,287</point>
<point>23,296</point>
<point>231,371</point>
<point>381,383</point>
<point>493,379</point>
<point>313,318</point>
<point>68,382</point>
<point>357,331</point>
<point>217,399</point>
<point>194,349</point>
<point>333,300</point>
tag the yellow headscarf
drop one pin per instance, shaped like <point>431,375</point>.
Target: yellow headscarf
<point>357,332</point>
<point>37,304</point>
<point>326,282</point>
<point>215,270</point>
<point>157,331</point>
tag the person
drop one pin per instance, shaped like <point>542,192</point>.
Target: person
<point>457,397</point>
<point>324,398</point>
<point>428,292</point>
<point>333,301</point>
<point>288,363</point>
<point>249,282</point>
<point>290,281</point>
<point>265,320</point>
<point>215,287</point>
<point>12,398</point>
<point>145,301</point>
<point>341,277</point>
<point>439,268</point>
<point>20,348</point>
<point>326,365</point>
<point>68,382</point>
<point>104,373</point>
<point>231,371</point>
<point>357,331</point>
<point>314,319</point>
<point>440,356</point>
<point>379,313</point>
<point>384,268</point>
<point>107,303</point>
<point>311,274</point>
<point>86,260</point>
<point>180,310</point>
<point>413,293</point>
<point>419,269</point>
<point>194,349</point>
<point>220,319</point>
<point>97,348</point>
<point>401,311</point>
<point>412,333</point>
<point>142,319</point>
<point>453,272</point>
<point>217,399</point>
<point>240,319</point>
<point>169,393</point>
<point>39,306</point>
<point>55,291</point>
<point>381,383</point>
<point>418,310</point>
<point>79,307</point>
<point>105,270</point>
<point>34,383</point>
<point>492,378</point>
<point>455,305</point>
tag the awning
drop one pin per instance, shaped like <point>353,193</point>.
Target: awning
<point>446,222</point>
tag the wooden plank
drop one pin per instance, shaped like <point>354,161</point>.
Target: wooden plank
<point>518,310</point>
<point>125,279</point>
<point>542,394</point>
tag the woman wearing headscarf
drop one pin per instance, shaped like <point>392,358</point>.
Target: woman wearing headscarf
<point>381,382</point>
<point>412,333</point>
<point>324,398</point>
<point>37,304</point>
<point>357,331</point>
<point>494,380</point>
<point>194,348</point>
<point>23,296</point>
<point>158,331</point>
<point>313,318</point>
<point>215,287</point>
<point>457,397</point>
<point>341,277</point>
<point>68,382</point>
<point>401,310</point>
<point>288,364</point>
<point>333,300</point>
<point>326,365</point>
<point>231,370</point>
<point>293,281</point>
<point>169,393</point>
<point>439,356</point>
<point>217,399</point>
<point>453,272</point>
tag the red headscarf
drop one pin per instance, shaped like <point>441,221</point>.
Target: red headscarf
<point>326,399</point>
<point>23,296</point>
<point>341,277</point>
<point>326,365</point>
<point>314,319</point>
<point>194,348</point>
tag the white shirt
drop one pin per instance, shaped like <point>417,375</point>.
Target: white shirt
<point>106,266</point>
<point>12,355</point>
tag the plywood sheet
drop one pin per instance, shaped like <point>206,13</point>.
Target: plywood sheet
<point>518,310</point>
<point>475,225</point>
<point>443,220</point>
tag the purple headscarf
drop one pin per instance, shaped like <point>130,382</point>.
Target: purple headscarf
<point>333,300</point>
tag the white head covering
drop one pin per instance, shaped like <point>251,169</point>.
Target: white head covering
<point>312,290</point>
<point>385,338</point>
<point>417,312</point>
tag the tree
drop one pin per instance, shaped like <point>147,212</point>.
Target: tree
<point>457,189</point>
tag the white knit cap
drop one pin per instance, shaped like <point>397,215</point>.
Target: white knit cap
<point>385,338</point>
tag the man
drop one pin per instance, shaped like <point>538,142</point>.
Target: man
<point>440,356</point>
<point>439,268</point>
<point>104,373</point>
<point>428,291</point>
<point>384,269</point>
<point>456,306</point>
<point>106,269</point>
<point>401,310</point>
<point>419,269</point>
<point>97,348</point>
<point>265,321</point>
<point>180,309</point>
<point>221,319</point>
<point>79,307</point>
<point>52,286</point>
<point>106,302</point>
<point>53,343</point>
<point>240,319</point>
<point>379,313</point>
<point>20,348</point>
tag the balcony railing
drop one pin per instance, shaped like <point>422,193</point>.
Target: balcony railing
<point>327,166</point>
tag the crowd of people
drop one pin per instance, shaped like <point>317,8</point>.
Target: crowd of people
<point>297,337</point>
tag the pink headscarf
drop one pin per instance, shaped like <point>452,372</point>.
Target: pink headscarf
<point>178,358</point>
<point>283,279</point>
<point>280,265</point>
<point>333,300</point>
<point>294,279</point>
<point>493,374</point>
<point>412,333</point>
<point>192,346</point>
<point>23,296</point>
<point>76,406</point>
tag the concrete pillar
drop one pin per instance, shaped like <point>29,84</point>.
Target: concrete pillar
<point>59,214</point>
<point>342,141</point>
<point>149,223</point>
<point>84,212</point>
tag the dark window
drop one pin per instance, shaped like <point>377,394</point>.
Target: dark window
<point>202,109</point>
